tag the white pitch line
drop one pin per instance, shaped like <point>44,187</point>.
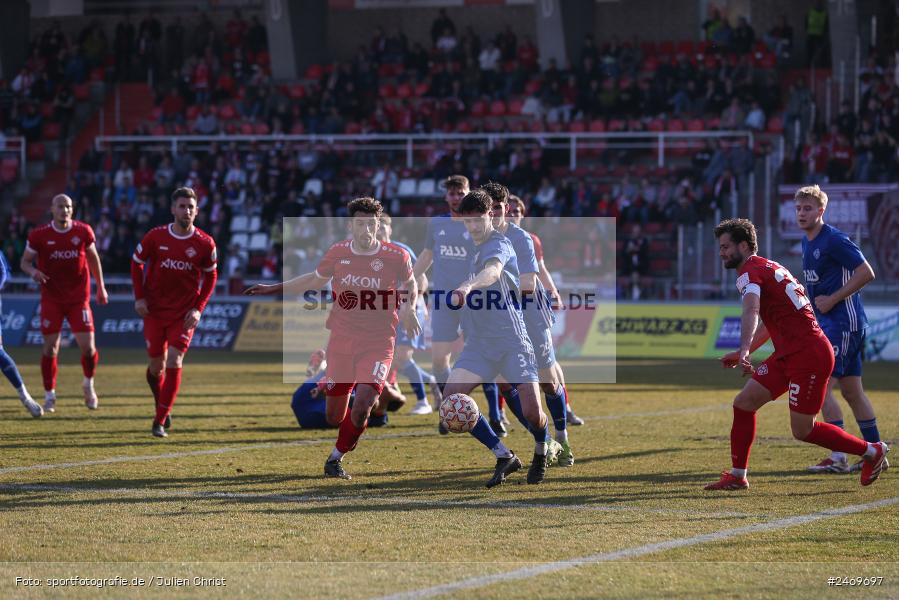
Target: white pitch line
<point>386,500</point>
<point>267,445</point>
<point>636,551</point>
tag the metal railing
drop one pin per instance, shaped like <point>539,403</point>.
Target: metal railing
<point>661,143</point>
<point>16,144</point>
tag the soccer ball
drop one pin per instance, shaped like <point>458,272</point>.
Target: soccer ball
<point>459,413</point>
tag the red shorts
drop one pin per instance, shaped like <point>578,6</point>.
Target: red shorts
<point>351,362</point>
<point>78,314</point>
<point>161,334</point>
<point>804,374</point>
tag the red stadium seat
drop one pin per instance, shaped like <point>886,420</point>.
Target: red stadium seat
<point>157,129</point>
<point>353,128</point>
<point>261,129</point>
<point>478,108</point>
<point>98,74</point>
<point>404,90</point>
<point>246,129</point>
<point>193,111</point>
<point>577,127</point>
<point>47,110</point>
<point>497,108</point>
<point>314,72</point>
<point>695,125</point>
<point>421,89</point>
<point>536,126</point>
<point>666,48</point>
<point>532,87</point>
<point>227,112</point>
<point>775,124</point>
<point>656,125</point>
<point>651,64</point>
<point>297,91</point>
<point>51,131</point>
<point>82,92</point>
<point>156,113</point>
<point>675,125</point>
<point>616,125</point>
<point>686,47</point>
<point>597,126</point>
<point>298,128</point>
<point>515,106</point>
<point>36,151</point>
<point>387,91</point>
<point>463,126</point>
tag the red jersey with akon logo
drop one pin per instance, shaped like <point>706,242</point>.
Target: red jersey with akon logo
<point>364,290</point>
<point>173,269</point>
<point>62,258</point>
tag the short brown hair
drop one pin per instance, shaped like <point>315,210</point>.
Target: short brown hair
<point>516,201</point>
<point>476,202</point>
<point>814,192</point>
<point>740,230</point>
<point>365,205</point>
<point>184,192</point>
<point>385,218</point>
<point>456,181</point>
<point>497,191</point>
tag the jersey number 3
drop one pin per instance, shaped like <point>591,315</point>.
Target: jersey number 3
<point>794,291</point>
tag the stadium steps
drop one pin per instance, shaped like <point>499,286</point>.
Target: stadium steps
<point>136,100</point>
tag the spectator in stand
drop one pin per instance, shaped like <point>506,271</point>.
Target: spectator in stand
<point>206,123</point>
<point>842,157</point>
<point>441,25</point>
<point>780,39</point>
<point>489,63</point>
<point>144,176</point>
<point>711,25</point>
<point>755,118</point>
<point>385,183</point>
<point>64,110</point>
<point>635,260</point>
<point>732,116</point>
<point>744,37</point>
<point>817,47</point>
<point>123,48</point>
<point>172,107</point>
<point>864,151</point>
<point>447,43</point>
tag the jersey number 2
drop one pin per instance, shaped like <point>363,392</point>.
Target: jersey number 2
<point>794,291</point>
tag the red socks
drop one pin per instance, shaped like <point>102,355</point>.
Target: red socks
<point>89,363</point>
<point>49,367</point>
<point>834,438</point>
<point>348,434</point>
<point>167,393</point>
<point>742,434</point>
<point>155,383</point>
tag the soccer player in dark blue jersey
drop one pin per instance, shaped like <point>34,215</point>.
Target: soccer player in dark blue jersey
<point>536,308</point>
<point>404,361</point>
<point>835,270</point>
<point>8,365</point>
<point>496,340</point>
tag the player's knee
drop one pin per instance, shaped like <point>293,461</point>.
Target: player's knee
<point>801,428</point>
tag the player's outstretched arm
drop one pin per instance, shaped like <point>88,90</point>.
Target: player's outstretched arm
<point>96,269</point>
<point>423,263</point>
<point>731,359</point>
<point>27,266</point>
<point>489,275</point>
<point>407,312</point>
<point>297,285</point>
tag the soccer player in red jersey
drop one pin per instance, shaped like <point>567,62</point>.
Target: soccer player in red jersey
<point>365,276</point>
<point>801,363</point>
<point>66,256</point>
<point>173,270</point>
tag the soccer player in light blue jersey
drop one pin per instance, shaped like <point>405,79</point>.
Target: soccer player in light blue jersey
<point>448,247</point>
<point>496,341</point>
<point>835,270</point>
<point>8,365</point>
<point>536,308</point>
<point>404,361</point>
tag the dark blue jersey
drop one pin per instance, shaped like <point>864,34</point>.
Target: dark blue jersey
<point>828,262</point>
<point>452,247</point>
